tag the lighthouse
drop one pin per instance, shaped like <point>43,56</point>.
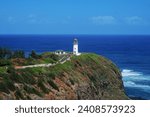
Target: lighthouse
<point>75,47</point>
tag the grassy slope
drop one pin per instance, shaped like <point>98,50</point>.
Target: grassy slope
<point>65,81</point>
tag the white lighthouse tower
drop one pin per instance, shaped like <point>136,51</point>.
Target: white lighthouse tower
<point>75,47</point>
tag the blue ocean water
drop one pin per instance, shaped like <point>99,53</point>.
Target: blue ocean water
<point>131,53</point>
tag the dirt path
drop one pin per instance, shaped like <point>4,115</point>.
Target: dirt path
<point>44,65</point>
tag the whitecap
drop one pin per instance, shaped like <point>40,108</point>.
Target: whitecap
<point>127,73</point>
<point>134,75</point>
<point>131,79</point>
<point>133,84</point>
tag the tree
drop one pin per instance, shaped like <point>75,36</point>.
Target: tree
<point>34,55</point>
<point>54,57</point>
<point>18,54</point>
<point>5,53</point>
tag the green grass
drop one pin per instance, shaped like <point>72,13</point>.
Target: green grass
<point>48,60</point>
<point>3,70</point>
<point>91,68</point>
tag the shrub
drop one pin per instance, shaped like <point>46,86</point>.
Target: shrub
<point>35,55</point>
<point>9,84</point>
<point>5,53</point>
<point>51,75</point>
<point>18,54</point>
<point>28,78</point>
<point>72,81</point>
<point>51,83</point>
<point>3,88</point>
<point>92,78</point>
<point>5,62</point>
<point>11,69</point>
<point>6,85</point>
<point>42,86</point>
<point>15,77</point>
<point>54,57</point>
<point>19,95</point>
<point>32,90</point>
<point>2,70</point>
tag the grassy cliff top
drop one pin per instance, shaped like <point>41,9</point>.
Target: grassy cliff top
<point>88,76</point>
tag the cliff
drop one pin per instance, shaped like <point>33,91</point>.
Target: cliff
<point>88,76</point>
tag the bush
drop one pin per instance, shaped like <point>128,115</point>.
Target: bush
<point>3,71</point>
<point>42,86</point>
<point>54,57</point>
<point>51,75</point>
<point>93,79</point>
<point>5,62</point>
<point>34,55</point>
<point>5,53</point>
<point>11,69</point>
<point>48,60</point>
<point>3,88</point>
<point>32,90</point>
<point>15,77</point>
<point>72,81</point>
<point>51,83</point>
<point>28,78</point>
<point>9,84</point>
<point>19,95</point>
<point>18,54</point>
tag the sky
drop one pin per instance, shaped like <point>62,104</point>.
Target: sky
<point>103,17</point>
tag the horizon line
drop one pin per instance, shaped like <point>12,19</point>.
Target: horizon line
<point>79,34</point>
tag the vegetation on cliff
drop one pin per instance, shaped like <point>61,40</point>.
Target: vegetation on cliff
<point>88,76</point>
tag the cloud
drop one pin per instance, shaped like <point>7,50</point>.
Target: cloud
<point>134,20</point>
<point>66,20</point>
<point>36,19</point>
<point>103,20</point>
<point>11,19</point>
<point>32,19</point>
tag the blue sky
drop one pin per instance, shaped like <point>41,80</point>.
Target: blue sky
<point>75,17</point>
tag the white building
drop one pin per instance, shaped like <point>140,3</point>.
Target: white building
<point>60,52</point>
<point>75,47</point>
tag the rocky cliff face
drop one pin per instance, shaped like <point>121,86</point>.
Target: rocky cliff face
<point>88,76</point>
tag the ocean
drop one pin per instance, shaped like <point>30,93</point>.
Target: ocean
<point>131,53</point>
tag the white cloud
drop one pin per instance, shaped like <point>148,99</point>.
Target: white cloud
<point>134,20</point>
<point>36,19</point>
<point>11,19</point>
<point>103,20</point>
<point>31,16</point>
<point>66,20</point>
<point>32,19</point>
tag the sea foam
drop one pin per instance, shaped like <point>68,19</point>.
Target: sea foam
<point>127,73</point>
<point>133,79</point>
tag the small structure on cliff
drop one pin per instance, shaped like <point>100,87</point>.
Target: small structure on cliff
<point>75,47</point>
<point>60,52</point>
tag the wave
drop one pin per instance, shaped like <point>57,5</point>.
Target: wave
<point>133,79</point>
<point>134,75</point>
<point>128,73</point>
<point>133,84</point>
